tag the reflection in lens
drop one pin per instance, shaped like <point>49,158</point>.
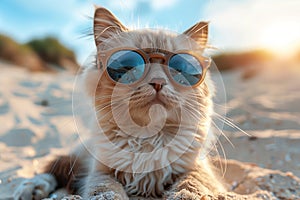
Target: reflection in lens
<point>126,66</point>
<point>185,69</point>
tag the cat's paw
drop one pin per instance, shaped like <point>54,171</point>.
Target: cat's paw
<point>72,197</point>
<point>109,195</point>
<point>186,195</point>
<point>36,188</point>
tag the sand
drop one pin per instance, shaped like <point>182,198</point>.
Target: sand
<point>37,124</point>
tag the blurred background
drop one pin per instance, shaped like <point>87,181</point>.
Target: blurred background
<point>257,51</point>
<point>260,28</point>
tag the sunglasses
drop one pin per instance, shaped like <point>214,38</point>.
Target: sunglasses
<point>129,66</point>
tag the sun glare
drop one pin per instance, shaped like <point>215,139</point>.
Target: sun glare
<point>281,38</point>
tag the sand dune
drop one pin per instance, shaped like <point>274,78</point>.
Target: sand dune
<point>37,124</point>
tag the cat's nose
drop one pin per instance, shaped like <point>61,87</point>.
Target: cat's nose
<point>158,83</point>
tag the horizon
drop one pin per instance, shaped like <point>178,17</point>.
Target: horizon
<point>234,25</point>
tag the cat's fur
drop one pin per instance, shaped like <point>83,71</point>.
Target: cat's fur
<point>165,164</point>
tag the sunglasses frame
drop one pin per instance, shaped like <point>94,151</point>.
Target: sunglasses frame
<point>153,53</point>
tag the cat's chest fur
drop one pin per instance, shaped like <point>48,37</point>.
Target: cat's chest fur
<point>145,167</point>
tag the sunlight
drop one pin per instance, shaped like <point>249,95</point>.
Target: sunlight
<point>281,37</point>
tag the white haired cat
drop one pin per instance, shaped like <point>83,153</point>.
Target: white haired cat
<point>153,98</point>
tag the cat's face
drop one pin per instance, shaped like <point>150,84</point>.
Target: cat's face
<point>153,91</point>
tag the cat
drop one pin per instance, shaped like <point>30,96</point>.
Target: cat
<point>152,96</point>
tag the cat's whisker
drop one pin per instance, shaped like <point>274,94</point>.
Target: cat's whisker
<point>115,103</point>
<point>101,108</point>
<point>223,169</point>
<point>195,98</point>
<point>231,124</point>
<point>222,133</point>
<point>213,124</point>
<point>72,166</point>
<point>226,120</point>
<point>99,97</point>
<point>112,103</point>
<point>221,146</point>
<point>191,108</point>
<point>221,106</point>
<point>115,99</point>
<point>193,105</point>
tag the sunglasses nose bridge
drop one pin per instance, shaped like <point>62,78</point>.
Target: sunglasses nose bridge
<point>157,58</point>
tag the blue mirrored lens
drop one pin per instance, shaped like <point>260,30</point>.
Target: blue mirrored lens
<point>126,66</point>
<point>185,69</point>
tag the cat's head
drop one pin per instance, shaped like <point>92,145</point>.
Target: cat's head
<point>149,79</point>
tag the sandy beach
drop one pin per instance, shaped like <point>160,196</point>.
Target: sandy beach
<point>37,124</point>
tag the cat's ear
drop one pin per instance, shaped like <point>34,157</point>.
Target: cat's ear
<point>106,25</point>
<point>198,32</point>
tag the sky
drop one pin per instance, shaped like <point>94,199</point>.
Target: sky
<point>235,25</point>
